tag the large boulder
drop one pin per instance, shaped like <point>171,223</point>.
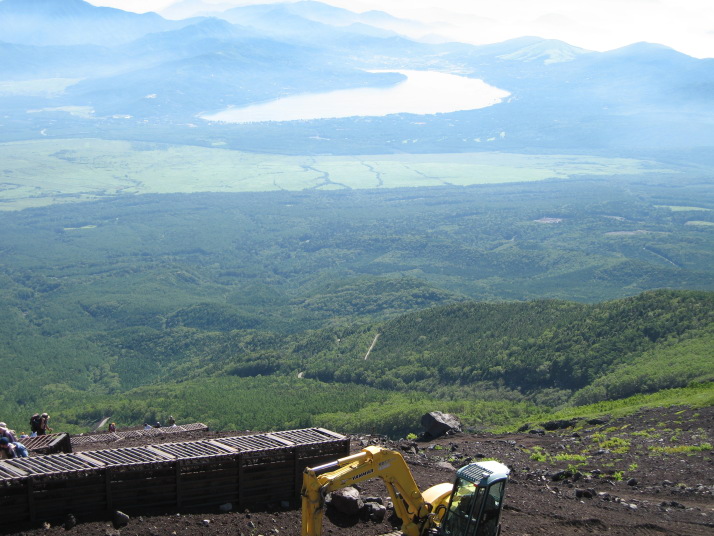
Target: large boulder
<point>120,519</point>
<point>347,501</point>
<point>437,424</point>
<point>559,424</point>
<point>375,512</point>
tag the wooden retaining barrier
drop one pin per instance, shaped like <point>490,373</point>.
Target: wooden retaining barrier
<point>254,470</point>
<point>111,437</point>
<point>47,444</point>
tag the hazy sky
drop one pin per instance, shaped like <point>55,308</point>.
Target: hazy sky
<point>685,25</point>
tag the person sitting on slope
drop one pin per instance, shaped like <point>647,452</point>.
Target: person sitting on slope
<point>6,432</point>
<point>12,449</point>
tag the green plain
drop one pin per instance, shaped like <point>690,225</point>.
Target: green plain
<point>46,172</point>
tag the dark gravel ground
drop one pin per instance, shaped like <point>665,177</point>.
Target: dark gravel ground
<point>650,473</point>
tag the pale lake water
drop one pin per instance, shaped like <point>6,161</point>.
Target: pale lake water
<point>423,92</point>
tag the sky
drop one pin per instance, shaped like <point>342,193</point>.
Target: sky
<point>685,25</point>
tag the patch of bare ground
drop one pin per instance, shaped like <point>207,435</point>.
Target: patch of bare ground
<point>647,474</point>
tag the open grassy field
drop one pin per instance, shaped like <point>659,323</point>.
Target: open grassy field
<point>45,172</point>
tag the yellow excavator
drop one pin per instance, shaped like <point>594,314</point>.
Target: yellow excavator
<point>471,506</point>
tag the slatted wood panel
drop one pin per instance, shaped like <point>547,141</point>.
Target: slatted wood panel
<point>116,436</point>
<point>267,476</point>
<point>250,470</point>
<point>127,457</point>
<point>48,444</point>
<point>307,435</point>
<point>195,449</point>
<point>257,442</point>
<point>213,482</point>
<point>7,472</point>
<point>47,465</point>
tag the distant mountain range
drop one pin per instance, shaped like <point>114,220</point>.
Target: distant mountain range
<point>74,22</point>
<point>369,21</point>
<point>56,54</point>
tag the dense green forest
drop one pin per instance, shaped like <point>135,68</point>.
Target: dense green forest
<point>356,309</point>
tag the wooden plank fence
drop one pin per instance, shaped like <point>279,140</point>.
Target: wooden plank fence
<point>254,470</point>
<point>48,444</point>
<point>111,437</point>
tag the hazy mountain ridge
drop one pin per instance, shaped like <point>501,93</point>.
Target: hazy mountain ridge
<point>25,62</point>
<point>74,22</point>
<point>546,51</point>
<point>643,96</point>
<point>324,14</point>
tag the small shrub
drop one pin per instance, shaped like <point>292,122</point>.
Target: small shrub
<point>575,467</point>
<point>599,436</point>
<point>682,449</point>
<point>538,455</point>
<point>570,457</point>
<point>616,444</point>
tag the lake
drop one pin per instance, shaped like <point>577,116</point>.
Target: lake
<point>423,92</point>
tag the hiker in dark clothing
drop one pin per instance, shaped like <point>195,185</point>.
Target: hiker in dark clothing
<point>44,427</point>
<point>35,424</point>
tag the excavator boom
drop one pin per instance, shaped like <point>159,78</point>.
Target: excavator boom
<point>439,510</point>
<point>371,462</point>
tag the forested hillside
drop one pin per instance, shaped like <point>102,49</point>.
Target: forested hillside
<point>527,347</point>
<point>209,303</point>
<point>491,363</point>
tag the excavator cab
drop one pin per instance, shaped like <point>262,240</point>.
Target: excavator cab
<point>476,501</point>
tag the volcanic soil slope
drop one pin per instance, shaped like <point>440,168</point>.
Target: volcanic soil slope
<point>650,473</point>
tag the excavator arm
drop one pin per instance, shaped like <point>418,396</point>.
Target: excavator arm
<point>371,462</point>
